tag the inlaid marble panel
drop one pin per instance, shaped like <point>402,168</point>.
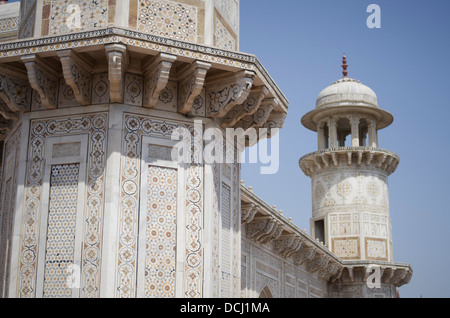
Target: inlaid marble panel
<point>168,18</point>
<point>346,248</point>
<point>64,16</point>
<point>225,244</point>
<point>223,37</point>
<point>161,233</point>
<point>376,249</point>
<point>61,228</point>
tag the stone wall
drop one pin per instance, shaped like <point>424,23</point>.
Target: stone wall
<point>264,273</point>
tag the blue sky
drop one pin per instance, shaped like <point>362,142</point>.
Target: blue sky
<point>407,64</point>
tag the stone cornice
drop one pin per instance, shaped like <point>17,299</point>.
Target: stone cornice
<point>198,68</point>
<point>265,224</point>
<point>397,274</point>
<point>142,41</point>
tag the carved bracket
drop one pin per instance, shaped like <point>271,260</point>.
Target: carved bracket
<point>5,112</point>
<point>192,80</point>
<point>43,79</point>
<point>156,77</point>
<point>260,117</point>
<point>15,91</point>
<point>264,230</point>
<point>78,75</point>
<point>307,253</point>
<point>225,92</point>
<point>248,212</point>
<point>5,127</point>
<point>117,65</point>
<point>288,245</point>
<point>318,263</point>
<point>330,271</point>
<point>248,108</point>
<point>275,121</point>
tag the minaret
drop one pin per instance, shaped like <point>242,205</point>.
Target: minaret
<point>349,172</point>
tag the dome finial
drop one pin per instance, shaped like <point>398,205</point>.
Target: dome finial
<point>344,66</point>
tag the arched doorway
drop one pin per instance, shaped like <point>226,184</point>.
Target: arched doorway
<point>266,293</point>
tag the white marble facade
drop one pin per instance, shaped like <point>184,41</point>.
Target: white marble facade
<point>93,204</point>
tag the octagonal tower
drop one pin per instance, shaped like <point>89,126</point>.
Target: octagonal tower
<point>91,93</point>
<point>349,172</point>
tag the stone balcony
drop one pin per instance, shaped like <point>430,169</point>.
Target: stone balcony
<point>335,157</point>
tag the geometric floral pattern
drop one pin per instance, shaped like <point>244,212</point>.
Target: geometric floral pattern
<point>133,89</point>
<point>223,38</point>
<point>169,19</point>
<point>373,189</point>
<point>132,39</point>
<point>376,249</point>
<point>61,229</point>
<point>93,14</point>
<point>100,89</point>
<point>343,189</point>
<point>9,24</point>
<point>161,233</point>
<point>346,248</point>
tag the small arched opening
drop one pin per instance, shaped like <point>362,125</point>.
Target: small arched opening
<point>344,129</point>
<point>266,293</point>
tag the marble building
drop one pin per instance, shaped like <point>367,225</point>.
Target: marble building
<point>90,95</point>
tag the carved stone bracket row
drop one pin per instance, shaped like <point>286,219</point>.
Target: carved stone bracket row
<point>394,274</point>
<point>264,225</point>
<point>266,229</point>
<point>321,160</point>
<point>231,97</point>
